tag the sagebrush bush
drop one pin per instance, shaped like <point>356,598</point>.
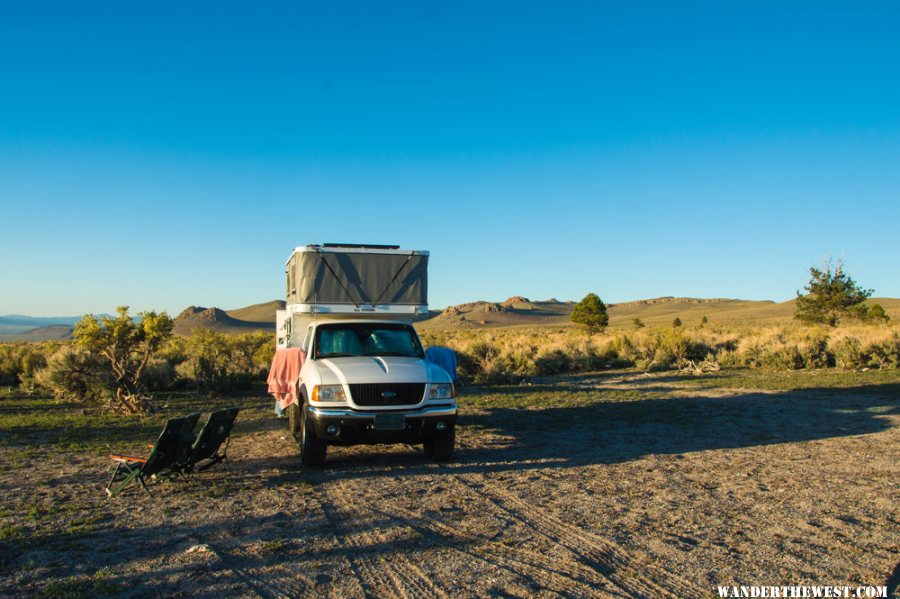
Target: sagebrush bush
<point>814,351</point>
<point>884,353</point>
<point>211,361</point>
<point>20,361</point>
<point>207,361</point>
<point>848,353</point>
<point>553,362</point>
<point>159,375</point>
<point>218,362</point>
<point>503,355</point>
<point>72,374</point>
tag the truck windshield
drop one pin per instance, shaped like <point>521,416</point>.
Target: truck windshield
<point>364,339</point>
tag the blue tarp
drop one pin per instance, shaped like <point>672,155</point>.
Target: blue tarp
<point>445,358</point>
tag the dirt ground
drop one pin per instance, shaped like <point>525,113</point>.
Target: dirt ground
<point>610,484</point>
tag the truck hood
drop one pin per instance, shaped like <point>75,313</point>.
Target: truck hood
<point>388,369</point>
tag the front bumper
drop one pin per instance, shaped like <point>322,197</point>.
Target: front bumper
<point>356,427</point>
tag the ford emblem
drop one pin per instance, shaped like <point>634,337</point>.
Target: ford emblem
<point>389,394</point>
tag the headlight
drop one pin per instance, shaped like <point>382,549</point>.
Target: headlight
<point>328,393</point>
<point>441,391</point>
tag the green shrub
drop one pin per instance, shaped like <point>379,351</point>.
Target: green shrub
<point>20,361</point>
<point>876,314</point>
<point>729,358</point>
<point>669,348</point>
<point>848,354</point>
<point>553,362</point>
<point>623,349</point>
<point>466,368</point>
<point>159,375</point>
<point>485,362</point>
<point>126,344</point>
<point>206,362</point>
<point>504,355</point>
<point>783,358</point>
<point>584,357</point>
<point>217,362</point>
<point>174,352</point>
<point>814,352</point>
<point>75,375</point>
<point>883,354</point>
<point>10,365</point>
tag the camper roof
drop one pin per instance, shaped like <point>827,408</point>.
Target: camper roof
<point>355,248</point>
<point>358,277</point>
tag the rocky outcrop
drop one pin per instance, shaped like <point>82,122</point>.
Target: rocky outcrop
<point>195,313</point>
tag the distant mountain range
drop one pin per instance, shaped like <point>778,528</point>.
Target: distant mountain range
<point>36,328</point>
<point>515,311</point>
<point>30,322</point>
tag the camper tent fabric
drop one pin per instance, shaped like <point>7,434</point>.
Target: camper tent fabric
<point>331,277</point>
<point>445,358</point>
<point>284,375</point>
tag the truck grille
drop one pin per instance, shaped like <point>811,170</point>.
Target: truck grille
<point>398,394</point>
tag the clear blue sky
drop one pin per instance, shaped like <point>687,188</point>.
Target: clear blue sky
<point>172,153</point>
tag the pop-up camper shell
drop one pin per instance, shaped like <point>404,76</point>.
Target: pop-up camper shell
<point>351,281</point>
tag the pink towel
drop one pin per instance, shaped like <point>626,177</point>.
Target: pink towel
<point>284,375</point>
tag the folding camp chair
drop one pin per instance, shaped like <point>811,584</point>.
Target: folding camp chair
<point>170,449</point>
<point>209,444</point>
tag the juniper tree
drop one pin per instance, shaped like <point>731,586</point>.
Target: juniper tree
<point>591,312</point>
<point>126,347</point>
<point>877,314</point>
<point>831,295</point>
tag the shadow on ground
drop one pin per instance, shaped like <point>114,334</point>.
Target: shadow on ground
<point>605,432</point>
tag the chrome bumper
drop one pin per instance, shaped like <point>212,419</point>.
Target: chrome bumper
<point>348,413</point>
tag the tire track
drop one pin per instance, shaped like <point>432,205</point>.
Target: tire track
<point>261,583</point>
<point>596,565</point>
<point>628,573</point>
<point>559,578</point>
<point>378,576</point>
<point>238,575</point>
<point>264,583</point>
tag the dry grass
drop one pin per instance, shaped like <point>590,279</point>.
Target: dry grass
<point>507,353</point>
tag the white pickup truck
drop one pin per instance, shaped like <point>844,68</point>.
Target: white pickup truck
<point>364,378</point>
<point>367,381</point>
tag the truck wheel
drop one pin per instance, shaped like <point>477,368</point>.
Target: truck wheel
<point>312,448</point>
<point>440,449</point>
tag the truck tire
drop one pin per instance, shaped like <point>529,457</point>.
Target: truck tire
<point>312,449</point>
<point>440,449</point>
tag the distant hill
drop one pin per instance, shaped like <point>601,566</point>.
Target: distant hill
<point>718,311</point>
<point>216,319</point>
<point>14,324</point>
<point>53,332</point>
<point>514,311</point>
<point>520,311</point>
<point>664,310</point>
<point>258,313</point>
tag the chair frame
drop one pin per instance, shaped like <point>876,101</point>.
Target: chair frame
<point>179,433</point>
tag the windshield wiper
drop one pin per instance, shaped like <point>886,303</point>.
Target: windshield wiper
<point>337,355</point>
